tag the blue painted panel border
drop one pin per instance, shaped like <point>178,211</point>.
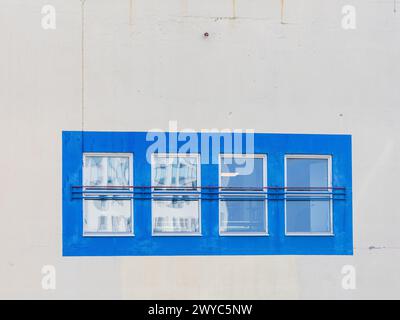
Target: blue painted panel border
<point>210,243</point>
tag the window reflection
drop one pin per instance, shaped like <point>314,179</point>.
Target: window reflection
<point>175,212</point>
<point>308,203</point>
<point>246,175</point>
<point>106,215</point>
<point>175,171</point>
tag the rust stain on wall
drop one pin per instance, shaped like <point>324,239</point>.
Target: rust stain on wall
<point>282,10</point>
<point>184,8</point>
<point>233,8</point>
<point>131,7</point>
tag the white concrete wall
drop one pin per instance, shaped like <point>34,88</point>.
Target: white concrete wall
<point>146,62</point>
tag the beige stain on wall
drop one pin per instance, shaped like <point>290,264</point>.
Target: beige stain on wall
<point>131,11</point>
<point>184,8</point>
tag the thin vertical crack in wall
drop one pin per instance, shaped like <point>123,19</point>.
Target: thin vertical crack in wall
<point>82,68</point>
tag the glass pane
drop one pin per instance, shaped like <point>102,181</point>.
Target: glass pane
<point>242,172</point>
<point>174,171</point>
<point>106,171</point>
<point>308,216</point>
<point>307,172</point>
<point>242,216</point>
<point>107,216</point>
<point>176,216</point>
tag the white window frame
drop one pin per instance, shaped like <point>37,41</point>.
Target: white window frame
<point>159,193</point>
<point>108,234</point>
<point>302,193</point>
<point>265,174</point>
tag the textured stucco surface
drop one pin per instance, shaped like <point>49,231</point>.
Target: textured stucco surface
<point>146,62</point>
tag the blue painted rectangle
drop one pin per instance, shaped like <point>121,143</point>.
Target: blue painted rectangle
<point>275,146</point>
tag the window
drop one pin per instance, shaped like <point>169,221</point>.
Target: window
<point>308,205</point>
<point>106,208</point>
<point>176,198</point>
<point>243,209</point>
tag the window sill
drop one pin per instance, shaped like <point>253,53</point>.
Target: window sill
<point>176,234</point>
<point>305,234</point>
<point>107,235</point>
<point>238,234</point>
